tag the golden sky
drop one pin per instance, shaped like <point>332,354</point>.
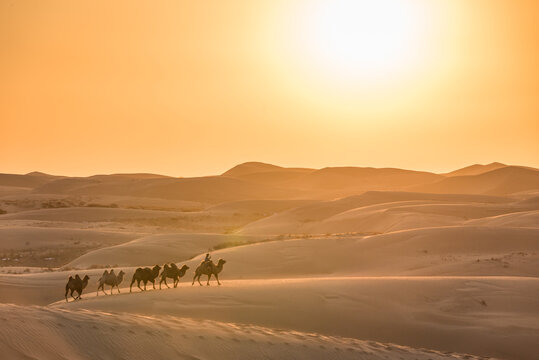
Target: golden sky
<point>190,88</point>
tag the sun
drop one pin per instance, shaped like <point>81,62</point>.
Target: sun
<point>362,39</point>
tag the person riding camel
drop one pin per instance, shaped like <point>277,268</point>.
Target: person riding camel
<point>207,260</point>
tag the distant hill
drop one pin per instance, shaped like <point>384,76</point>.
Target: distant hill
<point>261,181</point>
<point>320,217</point>
<point>250,168</point>
<point>265,173</point>
<point>30,180</point>
<point>362,178</point>
<point>502,181</point>
<point>476,169</point>
<point>210,189</point>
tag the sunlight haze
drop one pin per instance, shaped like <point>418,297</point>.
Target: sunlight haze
<point>189,88</point>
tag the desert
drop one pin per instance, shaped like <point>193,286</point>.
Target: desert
<point>376,273</point>
<point>269,179</point>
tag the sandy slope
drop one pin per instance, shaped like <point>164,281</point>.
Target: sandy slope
<point>54,333</point>
<point>380,213</point>
<point>460,250</point>
<point>519,219</point>
<point>88,214</point>
<point>26,237</point>
<point>476,169</point>
<point>210,189</point>
<point>451,272</point>
<point>437,251</point>
<point>156,249</point>
<point>502,181</point>
<point>447,314</point>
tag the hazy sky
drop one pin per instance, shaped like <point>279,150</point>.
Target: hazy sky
<point>194,87</point>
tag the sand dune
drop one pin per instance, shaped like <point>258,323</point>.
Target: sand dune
<point>88,214</point>
<point>156,249</point>
<point>381,212</point>
<point>210,189</point>
<point>253,180</point>
<point>448,314</point>
<point>129,336</point>
<point>13,190</point>
<point>343,181</point>
<point>476,169</point>
<point>19,237</point>
<point>456,250</point>
<point>461,250</point>
<point>264,207</point>
<point>31,180</point>
<point>519,219</point>
<point>502,181</point>
<point>318,266</point>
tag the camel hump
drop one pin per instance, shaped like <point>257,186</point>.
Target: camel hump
<point>70,278</point>
<point>105,273</point>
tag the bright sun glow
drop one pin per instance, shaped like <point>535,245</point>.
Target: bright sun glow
<point>363,39</point>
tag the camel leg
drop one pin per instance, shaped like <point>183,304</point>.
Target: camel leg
<point>72,291</point>
<point>209,277</point>
<point>145,282</point>
<point>112,287</point>
<point>193,283</point>
<point>138,284</point>
<point>132,282</point>
<point>168,287</point>
<point>102,287</point>
<point>118,287</point>
<point>176,281</point>
<point>198,279</point>
<point>153,283</point>
<point>217,277</point>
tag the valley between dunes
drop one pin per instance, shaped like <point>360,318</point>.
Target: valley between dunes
<point>336,263</point>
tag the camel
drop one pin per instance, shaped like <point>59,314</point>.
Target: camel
<point>208,268</point>
<point>76,284</point>
<point>145,274</point>
<point>110,279</point>
<point>172,272</point>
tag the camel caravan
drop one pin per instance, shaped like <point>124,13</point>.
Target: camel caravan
<point>146,275</point>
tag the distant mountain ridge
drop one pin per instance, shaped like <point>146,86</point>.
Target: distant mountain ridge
<point>256,180</point>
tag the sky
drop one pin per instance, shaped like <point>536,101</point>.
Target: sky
<point>192,88</point>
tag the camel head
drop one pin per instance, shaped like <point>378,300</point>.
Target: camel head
<point>221,262</point>
<point>121,273</point>
<point>156,269</point>
<point>184,268</point>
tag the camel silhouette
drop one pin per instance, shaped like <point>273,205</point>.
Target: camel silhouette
<point>208,268</point>
<point>145,274</point>
<point>110,279</point>
<point>172,272</point>
<point>76,284</point>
